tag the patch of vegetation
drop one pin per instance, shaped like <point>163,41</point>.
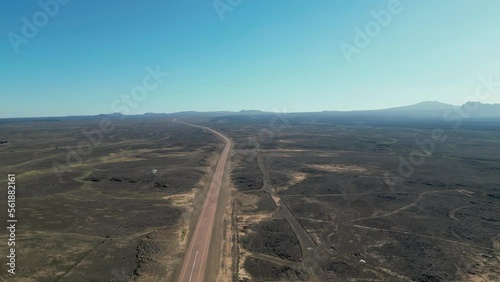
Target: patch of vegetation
<point>268,271</point>
<point>274,237</point>
<point>183,234</point>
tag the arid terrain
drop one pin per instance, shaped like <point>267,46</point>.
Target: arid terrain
<point>250,141</point>
<point>311,199</point>
<point>104,215</point>
<point>319,200</point>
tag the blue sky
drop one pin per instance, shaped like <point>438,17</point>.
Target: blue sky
<point>280,55</point>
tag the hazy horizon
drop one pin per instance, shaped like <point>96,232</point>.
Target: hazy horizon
<point>249,110</point>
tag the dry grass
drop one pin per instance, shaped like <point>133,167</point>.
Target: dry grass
<point>340,168</point>
<point>297,177</point>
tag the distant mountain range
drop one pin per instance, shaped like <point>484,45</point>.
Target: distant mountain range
<point>422,111</point>
<point>431,110</point>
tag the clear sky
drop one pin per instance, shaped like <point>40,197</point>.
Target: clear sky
<point>280,55</point>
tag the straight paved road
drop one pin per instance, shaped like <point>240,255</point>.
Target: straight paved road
<point>195,260</point>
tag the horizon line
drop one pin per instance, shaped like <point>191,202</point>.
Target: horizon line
<point>236,111</point>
